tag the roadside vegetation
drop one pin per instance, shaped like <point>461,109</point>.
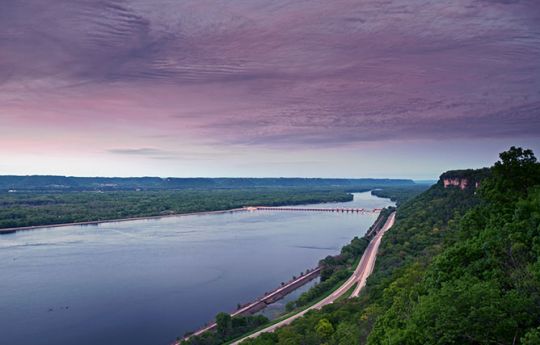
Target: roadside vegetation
<point>458,267</point>
<point>228,328</point>
<point>334,270</point>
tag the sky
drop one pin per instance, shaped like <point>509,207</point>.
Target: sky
<point>341,88</point>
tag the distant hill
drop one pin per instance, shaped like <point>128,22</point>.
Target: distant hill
<point>425,182</point>
<point>69,183</point>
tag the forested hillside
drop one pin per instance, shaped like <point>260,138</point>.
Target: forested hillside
<point>461,266</point>
<point>69,183</point>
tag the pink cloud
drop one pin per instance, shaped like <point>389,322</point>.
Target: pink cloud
<point>295,73</point>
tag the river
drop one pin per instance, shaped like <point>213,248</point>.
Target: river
<point>145,282</point>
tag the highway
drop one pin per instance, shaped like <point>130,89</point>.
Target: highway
<point>367,263</point>
<point>359,277</point>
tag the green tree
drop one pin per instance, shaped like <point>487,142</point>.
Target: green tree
<point>223,324</point>
<point>516,171</point>
<point>324,329</point>
<point>346,334</point>
<point>532,337</point>
<point>287,336</point>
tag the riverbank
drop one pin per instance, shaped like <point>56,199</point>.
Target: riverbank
<point>36,211</point>
<point>262,302</point>
<point>363,268</point>
<point>355,282</point>
<point>97,222</point>
<point>201,213</point>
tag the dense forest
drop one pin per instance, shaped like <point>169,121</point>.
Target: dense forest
<point>69,183</point>
<point>400,194</point>
<point>27,209</point>
<point>460,266</point>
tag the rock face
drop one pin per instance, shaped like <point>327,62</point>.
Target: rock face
<point>462,183</point>
<point>464,179</point>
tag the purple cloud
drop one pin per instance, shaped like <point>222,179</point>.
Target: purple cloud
<point>269,73</point>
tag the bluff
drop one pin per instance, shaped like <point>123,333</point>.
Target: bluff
<point>464,179</point>
<point>460,266</point>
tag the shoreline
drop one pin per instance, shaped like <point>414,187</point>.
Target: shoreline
<point>359,277</point>
<point>262,302</point>
<point>6,231</point>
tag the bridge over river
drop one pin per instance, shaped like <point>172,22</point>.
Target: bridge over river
<point>313,209</point>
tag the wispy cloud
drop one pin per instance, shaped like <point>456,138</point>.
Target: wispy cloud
<point>160,154</point>
<point>288,72</point>
<point>144,151</point>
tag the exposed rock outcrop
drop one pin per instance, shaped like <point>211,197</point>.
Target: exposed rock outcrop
<point>464,179</point>
<point>462,183</point>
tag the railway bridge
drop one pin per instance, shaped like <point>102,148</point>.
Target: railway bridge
<point>313,209</point>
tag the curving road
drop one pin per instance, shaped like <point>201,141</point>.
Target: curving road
<point>367,262</point>
<point>359,277</point>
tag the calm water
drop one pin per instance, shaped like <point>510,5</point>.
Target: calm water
<point>146,282</point>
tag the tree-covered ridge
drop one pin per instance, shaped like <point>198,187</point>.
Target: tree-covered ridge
<point>473,175</point>
<point>484,288</point>
<point>70,183</point>
<point>458,267</point>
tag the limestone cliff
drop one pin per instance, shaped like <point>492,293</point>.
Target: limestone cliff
<point>463,179</point>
